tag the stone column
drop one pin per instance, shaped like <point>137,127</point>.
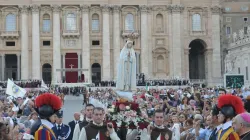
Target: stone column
<point>144,40</point>
<point>86,43</point>
<point>56,43</point>
<point>216,41</point>
<point>176,40</point>
<point>116,37</point>
<point>79,63</point>
<point>63,59</point>
<point>35,43</point>
<point>106,44</point>
<point>24,43</point>
<point>18,66</point>
<point>3,67</point>
<point>208,64</point>
<point>170,42</point>
<point>186,67</point>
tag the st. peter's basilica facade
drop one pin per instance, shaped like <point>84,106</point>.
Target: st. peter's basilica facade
<point>81,40</point>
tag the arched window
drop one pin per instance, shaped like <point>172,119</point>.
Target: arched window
<point>159,22</point>
<point>10,22</point>
<point>46,23</point>
<point>129,22</point>
<point>196,22</point>
<point>95,22</point>
<point>160,63</point>
<point>71,21</point>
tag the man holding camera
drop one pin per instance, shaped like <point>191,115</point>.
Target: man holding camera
<point>97,129</point>
<point>156,130</point>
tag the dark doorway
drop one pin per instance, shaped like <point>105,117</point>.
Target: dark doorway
<point>96,72</point>
<point>11,66</point>
<point>197,59</point>
<point>47,73</point>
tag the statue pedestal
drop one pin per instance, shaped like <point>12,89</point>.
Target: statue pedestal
<point>125,94</point>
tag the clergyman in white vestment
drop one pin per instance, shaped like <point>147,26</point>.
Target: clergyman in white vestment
<point>126,76</point>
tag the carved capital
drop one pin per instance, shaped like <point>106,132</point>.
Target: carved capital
<point>35,8</point>
<point>46,9</point>
<point>85,8</point>
<point>216,10</point>
<point>56,8</point>
<point>24,9</point>
<point>176,8</point>
<point>159,8</point>
<point>116,8</point>
<point>143,8</point>
<point>105,8</point>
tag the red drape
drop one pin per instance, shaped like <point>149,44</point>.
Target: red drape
<point>71,60</point>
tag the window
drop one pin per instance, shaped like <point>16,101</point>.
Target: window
<point>245,19</point>
<point>159,22</point>
<point>10,22</point>
<point>46,23</point>
<point>95,22</point>
<point>71,22</point>
<point>228,30</point>
<point>196,22</point>
<point>246,73</point>
<point>238,70</point>
<point>46,43</point>
<point>245,30</point>
<point>10,43</point>
<point>129,22</point>
<point>95,42</point>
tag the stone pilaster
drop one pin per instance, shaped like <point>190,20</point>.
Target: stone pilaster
<point>216,10</point>
<point>24,43</point>
<point>106,44</point>
<point>79,63</point>
<point>176,40</point>
<point>56,43</point>
<point>116,37</point>
<point>36,72</point>
<point>170,42</point>
<point>18,66</point>
<point>63,57</point>
<point>144,40</point>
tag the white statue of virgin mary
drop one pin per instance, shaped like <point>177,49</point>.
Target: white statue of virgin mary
<point>126,76</point>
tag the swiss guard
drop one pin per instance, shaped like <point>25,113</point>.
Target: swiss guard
<point>229,106</point>
<point>47,105</point>
<point>62,131</point>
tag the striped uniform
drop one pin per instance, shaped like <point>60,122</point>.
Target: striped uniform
<point>44,133</point>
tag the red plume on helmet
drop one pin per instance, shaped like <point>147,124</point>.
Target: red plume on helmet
<point>50,100</point>
<point>231,100</point>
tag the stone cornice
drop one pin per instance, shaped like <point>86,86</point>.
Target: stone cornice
<point>85,8</point>
<point>35,8</point>
<point>216,9</point>
<point>56,8</point>
<point>176,8</point>
<point>105,8</point>
<point>144,8</point>
<point>24,9</point>
<point>116,8</point>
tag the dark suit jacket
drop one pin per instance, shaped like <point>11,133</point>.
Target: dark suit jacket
<point>72,125</point>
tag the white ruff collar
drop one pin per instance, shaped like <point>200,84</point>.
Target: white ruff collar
<point>101,124</point>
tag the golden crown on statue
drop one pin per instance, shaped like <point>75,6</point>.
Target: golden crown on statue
<point>131,36</point>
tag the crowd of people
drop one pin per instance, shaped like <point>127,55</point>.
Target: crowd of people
<point>23,84</point>
<point>156,114</point>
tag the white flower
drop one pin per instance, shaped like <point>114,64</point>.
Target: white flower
<point>127,107</point>
<point>113,106</point>
<point>119,124</point>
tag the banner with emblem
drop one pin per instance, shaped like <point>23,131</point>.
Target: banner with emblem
<point>14,90</point>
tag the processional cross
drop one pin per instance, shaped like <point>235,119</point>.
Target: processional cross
<point>71,66</point>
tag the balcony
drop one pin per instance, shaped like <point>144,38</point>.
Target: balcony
<point>125,33</point>
<point>71,33</point>
<point>10,34</point>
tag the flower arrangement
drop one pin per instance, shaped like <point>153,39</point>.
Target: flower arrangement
<point>127,115</point>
